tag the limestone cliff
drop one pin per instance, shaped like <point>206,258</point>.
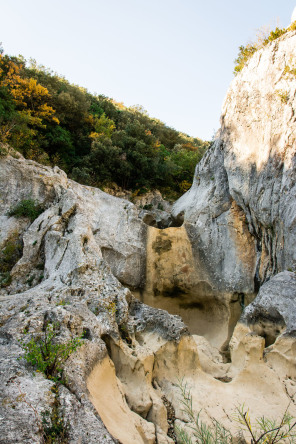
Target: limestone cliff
<point>73,263</point>
<point>240,212</point>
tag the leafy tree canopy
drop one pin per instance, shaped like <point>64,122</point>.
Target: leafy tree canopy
<point>95,139</point>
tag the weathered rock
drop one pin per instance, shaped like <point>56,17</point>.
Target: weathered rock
<point>274,306</point>
<point>120,235</point>
<point>239,231</point>
<point>269,321</point>
<point>63,278</point>
<point>173,283</point>
<point>240,211</point>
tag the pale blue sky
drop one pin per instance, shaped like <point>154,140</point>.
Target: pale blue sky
<point>173,57</point>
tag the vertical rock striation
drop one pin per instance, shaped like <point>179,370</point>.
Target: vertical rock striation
<point>240,212</point>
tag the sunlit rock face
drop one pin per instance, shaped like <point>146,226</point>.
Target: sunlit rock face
<point>106,224</point>
<point>238,233</point>
<point>240,212</point>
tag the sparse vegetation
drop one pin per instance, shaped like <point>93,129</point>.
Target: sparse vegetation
<point>283,95</point>
<point>3,150</point>
<point>54,428</point>
<point>27,208</point>
<point>9,256</point>
<point>51,423</point>
<point>246,52</point>
<point>110,306</point>
<point>290,71</point>
<point>264,431</point>
<point>5,279</point>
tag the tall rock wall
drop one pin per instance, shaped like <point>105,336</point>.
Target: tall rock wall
<point>68,267</point>
<point>240,212</point>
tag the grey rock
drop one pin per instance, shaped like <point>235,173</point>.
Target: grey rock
<point>66,276</point>
<point>240,212</point>
<point>275,304</point>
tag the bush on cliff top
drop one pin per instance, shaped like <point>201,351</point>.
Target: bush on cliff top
<point>246,52</point>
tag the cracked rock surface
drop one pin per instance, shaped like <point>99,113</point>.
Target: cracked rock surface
<point>71,264</point>
<point>240,212</point>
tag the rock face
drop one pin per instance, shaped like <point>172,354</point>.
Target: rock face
<point>63,278</point>
<point>118,236</point>
<point>240,213</point>
<point>69,268</point>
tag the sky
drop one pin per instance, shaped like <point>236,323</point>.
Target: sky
<point>173,57</point>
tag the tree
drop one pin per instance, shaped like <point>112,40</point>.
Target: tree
<point>23,105</point>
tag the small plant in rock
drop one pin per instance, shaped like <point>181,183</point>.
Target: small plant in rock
<point>47,355</point>
<point>110,307</point>
<point>51,423</point>
<point>290,71</point>
<point>55,430</point>
<point>27,208</point>
<point>3,150</point>
<point>5,279</point>
<point>245,53</point>
<point>9,256</point>
<point>264,431</point>
<point>30,280</point>
<point>283,95</point>
<point>62,302</point>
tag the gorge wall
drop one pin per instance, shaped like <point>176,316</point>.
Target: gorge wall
<point>74,265</point>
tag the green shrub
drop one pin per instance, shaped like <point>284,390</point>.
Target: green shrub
<point>275,35</point>
<point>266,430</point>
<point>27,208</point>
<point>45,354</point>
<point>3,150</point>
<point>9,256</point>
<point>5,279</point>
<point>11,253</point>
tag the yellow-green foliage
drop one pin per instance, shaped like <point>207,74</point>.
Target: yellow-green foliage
<point>246,52</point>
<point>3,150</point>
<point>290,71</point>
<point>283,95</point>
<point>96,140</point>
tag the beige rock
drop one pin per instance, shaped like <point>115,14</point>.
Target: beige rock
<point>108,397</point>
